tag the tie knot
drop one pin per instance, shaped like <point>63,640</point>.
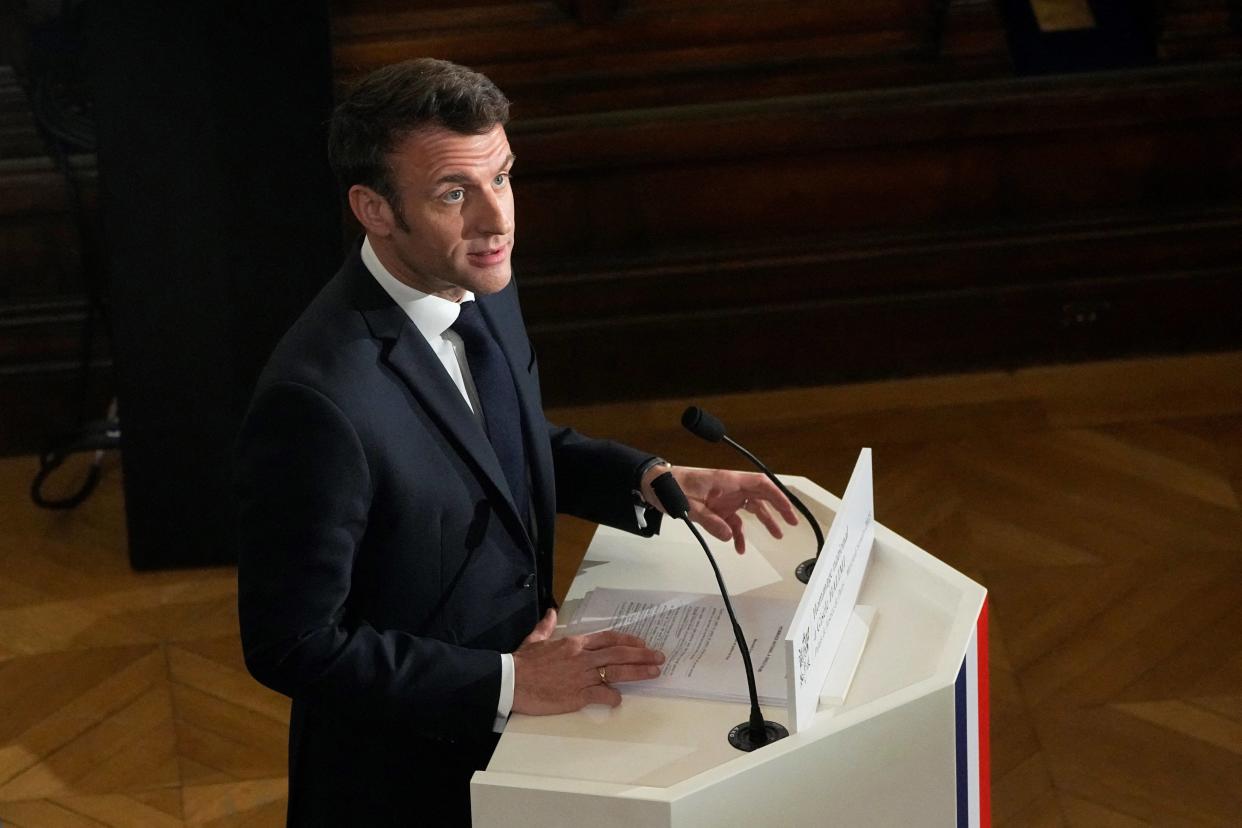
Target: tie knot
<point>468,308</point>
<point>469,324</point>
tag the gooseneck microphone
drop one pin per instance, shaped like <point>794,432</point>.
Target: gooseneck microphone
<point>756,732</point>
<point>701,424</point>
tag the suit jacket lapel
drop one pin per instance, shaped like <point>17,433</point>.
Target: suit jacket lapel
<point>409,356</point>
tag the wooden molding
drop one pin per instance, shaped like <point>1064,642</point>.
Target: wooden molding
<point>597,59</point>
<point>806,238</point>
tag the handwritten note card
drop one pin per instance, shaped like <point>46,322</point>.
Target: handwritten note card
<point>824,611</point>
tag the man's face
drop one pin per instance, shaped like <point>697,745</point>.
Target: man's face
<point>453,192</point>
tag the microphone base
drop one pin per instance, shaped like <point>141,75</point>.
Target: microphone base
<point>742,737</point>
<point>804,570</point>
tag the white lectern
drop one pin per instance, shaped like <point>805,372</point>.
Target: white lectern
<point>909,746</point>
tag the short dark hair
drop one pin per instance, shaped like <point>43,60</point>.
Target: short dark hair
<point>390,103</point>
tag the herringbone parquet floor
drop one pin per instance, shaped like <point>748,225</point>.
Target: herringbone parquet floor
<point>1098,503</point>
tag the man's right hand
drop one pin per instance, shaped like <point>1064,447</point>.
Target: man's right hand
<point>562,675</point>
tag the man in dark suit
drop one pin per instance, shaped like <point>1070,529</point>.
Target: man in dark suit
<point>398,482</point>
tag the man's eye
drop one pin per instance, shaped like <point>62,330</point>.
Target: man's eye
<point>454,196</point>
<point>500,181</point>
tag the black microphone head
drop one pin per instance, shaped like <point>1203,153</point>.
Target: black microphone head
<point>701,424</point>
<point>670,495</point>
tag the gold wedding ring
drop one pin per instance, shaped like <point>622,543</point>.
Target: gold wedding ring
<point>603,675</point>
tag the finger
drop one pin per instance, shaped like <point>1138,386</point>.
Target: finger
<point>739,537</point>
<point>623,655</point>
<point>618,673</point>
<point>611,638</point>
<point>711,522</point>
<point>760,510</point>
<point>547,624</point>
<point>544,629</point>
<point>760,488</point>
<point>600,694</point>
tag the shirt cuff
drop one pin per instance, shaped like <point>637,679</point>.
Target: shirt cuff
<point>505,705</point>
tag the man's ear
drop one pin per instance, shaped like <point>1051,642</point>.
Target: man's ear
<point>372,210</point>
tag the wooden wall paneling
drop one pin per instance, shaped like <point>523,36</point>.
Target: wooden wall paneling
<point>42,389</point>
<point>776,160</point>
<point>1045,210</point>
<point>39,242</point>
<point>42,306</point>
<point>18,136</point>
<point>41,257</point>
<point>887,264</point>
<point>685,353</point>
<point>39,332</point>
<point>1199,29</point>
<point>508,32</point>
<point>651,53</point>
<point>970,35</point>
<point>883,118</point>
<point>798,168</point>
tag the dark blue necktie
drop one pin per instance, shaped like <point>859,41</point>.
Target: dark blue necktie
<point>502,418</point>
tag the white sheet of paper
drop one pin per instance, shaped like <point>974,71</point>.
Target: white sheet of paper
<point>694,633</point>
<point>680,562</point>
<point>841,674</point>
<point>828,602</point>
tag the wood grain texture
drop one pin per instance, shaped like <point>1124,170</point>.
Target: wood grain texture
<point>1099,503</point>
<point>552,60</point>
<point>683,171</point>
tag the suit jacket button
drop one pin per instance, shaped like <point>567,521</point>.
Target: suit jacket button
<point>528,581</point>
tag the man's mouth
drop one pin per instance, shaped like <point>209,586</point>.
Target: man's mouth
<point>489,257</point>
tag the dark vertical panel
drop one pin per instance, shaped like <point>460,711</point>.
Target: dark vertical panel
<point>221,222</point>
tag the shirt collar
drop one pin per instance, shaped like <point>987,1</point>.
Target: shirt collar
<point>432,315</point>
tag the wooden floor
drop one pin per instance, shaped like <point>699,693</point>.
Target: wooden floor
<point>1099,504</point>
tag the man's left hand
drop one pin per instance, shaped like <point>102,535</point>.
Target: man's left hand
<point>717,495</point>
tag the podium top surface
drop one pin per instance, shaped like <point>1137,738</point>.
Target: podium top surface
<point>657,747</point>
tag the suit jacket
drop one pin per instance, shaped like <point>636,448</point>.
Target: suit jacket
<point>383,566</point>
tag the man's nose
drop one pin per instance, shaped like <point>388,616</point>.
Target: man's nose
<point>494,216</point>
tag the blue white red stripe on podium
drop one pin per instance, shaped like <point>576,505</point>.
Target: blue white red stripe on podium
<point>974,794</point>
